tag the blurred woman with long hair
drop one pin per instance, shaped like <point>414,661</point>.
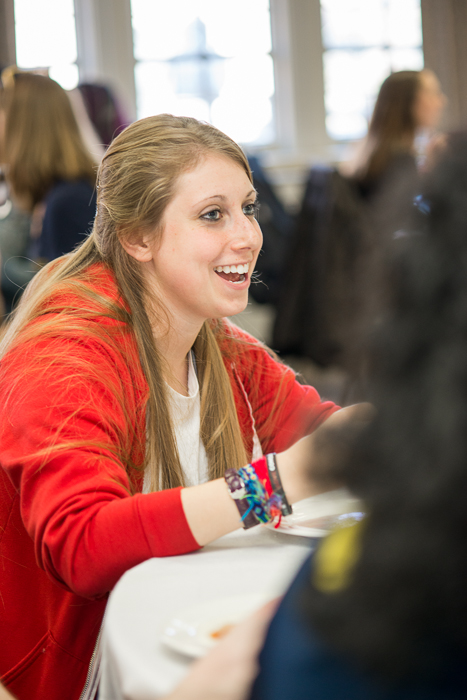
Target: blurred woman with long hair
<point>408,102</point>
<point>49,170</point>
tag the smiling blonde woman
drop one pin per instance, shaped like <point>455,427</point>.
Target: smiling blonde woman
<point>125,396</point>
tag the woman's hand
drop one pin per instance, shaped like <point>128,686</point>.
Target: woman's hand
<point>228,671</point>
<point>308,467</point>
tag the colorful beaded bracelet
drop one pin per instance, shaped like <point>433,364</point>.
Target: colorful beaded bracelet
<point>257,492</point>
<point>237,491</point>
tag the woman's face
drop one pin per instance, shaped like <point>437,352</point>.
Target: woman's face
<point>201,267</point>
<point>429,102</point>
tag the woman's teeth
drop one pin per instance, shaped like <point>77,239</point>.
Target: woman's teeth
<point>232,273</point>
<point>239,269</point>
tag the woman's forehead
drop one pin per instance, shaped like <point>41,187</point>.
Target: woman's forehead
<point>211,168</point>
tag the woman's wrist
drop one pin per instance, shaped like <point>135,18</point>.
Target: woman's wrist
<point>209,511</point>
<point>257,492</point>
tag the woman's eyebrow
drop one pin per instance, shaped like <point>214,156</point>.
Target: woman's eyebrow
<point>222,197</point>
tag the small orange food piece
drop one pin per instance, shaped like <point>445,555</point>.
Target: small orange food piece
<point>221,632</point>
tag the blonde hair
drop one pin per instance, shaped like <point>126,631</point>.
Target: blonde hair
<point>136,180</point>
<point>42,141</point>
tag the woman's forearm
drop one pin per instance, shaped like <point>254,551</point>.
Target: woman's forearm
<point>210,511</point>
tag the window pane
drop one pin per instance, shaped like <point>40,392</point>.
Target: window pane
<point>365,40</point>
<point>406,59</point>
<point>239,80</point>
<point>155,90</point>
<point>243,108</point>
<point>209,57</point>
<point>247,121</point>
<point>240,27</point>
<point>153,23</point>
<point>352,79</point>
<point>153,87</point>
<point>404,23</point>
<point>160,28</point>
<point>67,75</point>
<point>45,33</point>
<point>344,126</point>
<point>352,22</point>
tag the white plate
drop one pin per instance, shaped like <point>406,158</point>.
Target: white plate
<point>323,511</point>
<point>190,631</point>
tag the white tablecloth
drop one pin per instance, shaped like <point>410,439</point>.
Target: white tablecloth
<point>136,665</point>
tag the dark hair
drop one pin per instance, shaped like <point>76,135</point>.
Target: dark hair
<point>408,589</point>
<point>392,126</point>
<point>104,111</point>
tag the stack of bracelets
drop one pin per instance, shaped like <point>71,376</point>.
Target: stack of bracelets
<point>257,492</point>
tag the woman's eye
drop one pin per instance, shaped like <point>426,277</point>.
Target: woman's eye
<point>251,209</point>
<point>213,215</point>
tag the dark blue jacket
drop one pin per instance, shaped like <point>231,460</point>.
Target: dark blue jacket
<point>297,665</point>
<point>69,215</point>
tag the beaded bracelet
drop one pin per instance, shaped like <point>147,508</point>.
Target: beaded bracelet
<point>256,493</point>
<point>238,492</point>
<point>286,508</point>
<point>254,496</point>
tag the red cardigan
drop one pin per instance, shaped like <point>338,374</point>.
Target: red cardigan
<point>70,526</point>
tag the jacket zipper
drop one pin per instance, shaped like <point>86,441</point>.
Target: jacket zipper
<point>94,671</point>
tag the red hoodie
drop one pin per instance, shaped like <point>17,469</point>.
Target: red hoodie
<point>71,526</point>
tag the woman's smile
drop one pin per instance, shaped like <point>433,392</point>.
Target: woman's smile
<point>236,274</point>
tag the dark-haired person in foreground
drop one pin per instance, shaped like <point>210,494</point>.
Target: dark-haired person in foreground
<point>380,611</point>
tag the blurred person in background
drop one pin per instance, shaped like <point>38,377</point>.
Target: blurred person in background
<point>386,169</point>
<point>104,111</point>
<point>408,102</point>
<point>48,168</point>
<point>348,218</point>
<point>15,226</point>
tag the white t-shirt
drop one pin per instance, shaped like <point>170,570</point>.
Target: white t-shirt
<point>185,413</point>
<point>186,417</point>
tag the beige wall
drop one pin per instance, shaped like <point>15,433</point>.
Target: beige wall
<point>7,33</point>
<point>445,47</point>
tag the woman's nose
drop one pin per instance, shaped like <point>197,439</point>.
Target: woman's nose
<point>247,234</point>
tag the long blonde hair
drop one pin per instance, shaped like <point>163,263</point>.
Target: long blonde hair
<point>136,180</point>
<point>42,140</point>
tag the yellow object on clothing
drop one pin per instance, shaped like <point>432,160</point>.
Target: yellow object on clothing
<point>336,557</point>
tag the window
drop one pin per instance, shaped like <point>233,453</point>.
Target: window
<point>363,42</point>
<point>206,59</point>
<point>46,38</point>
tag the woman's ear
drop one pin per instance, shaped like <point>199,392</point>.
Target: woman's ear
<point>139,246</point>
